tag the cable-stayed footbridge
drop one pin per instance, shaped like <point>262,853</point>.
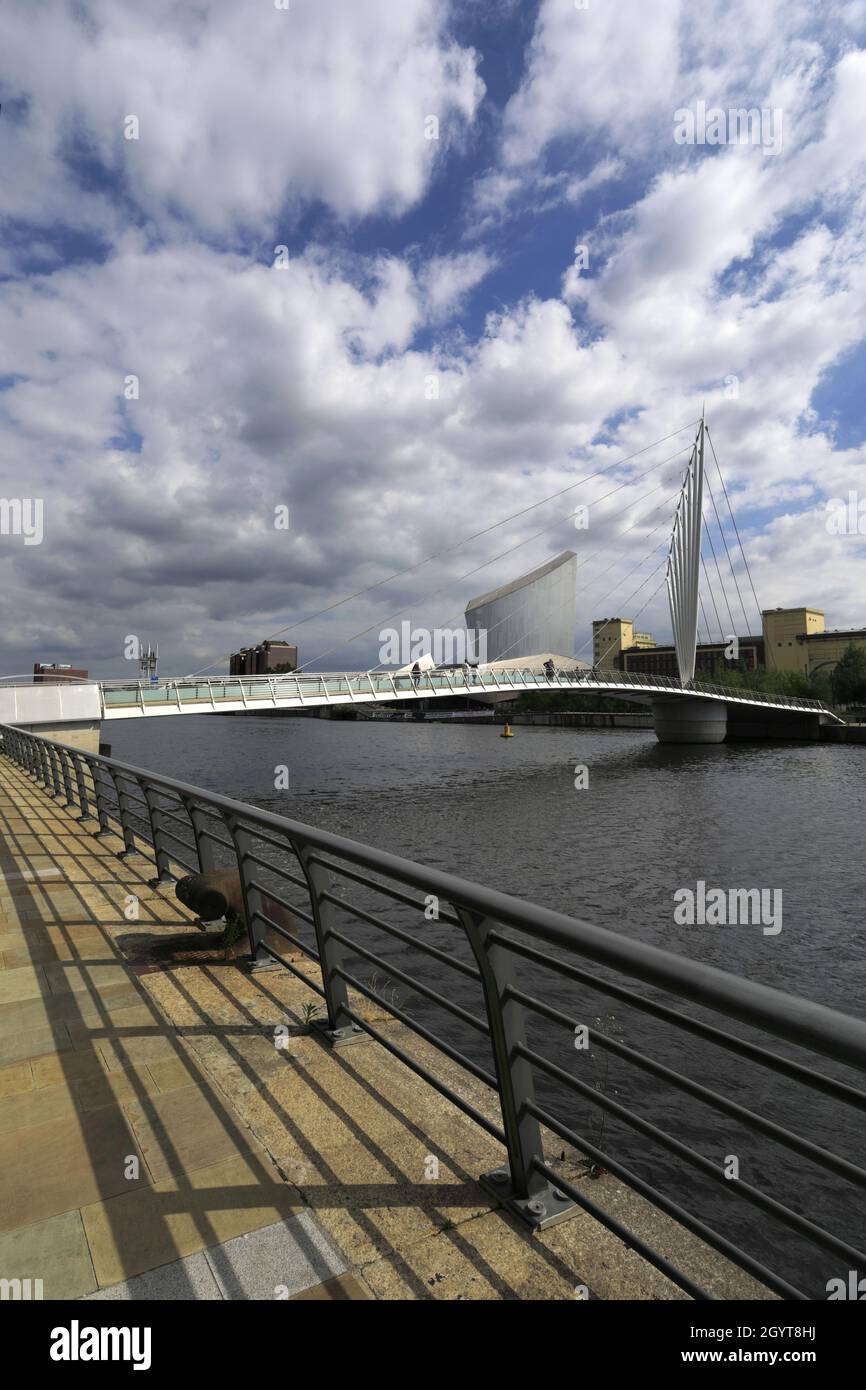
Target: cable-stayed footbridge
<point>685,710</point>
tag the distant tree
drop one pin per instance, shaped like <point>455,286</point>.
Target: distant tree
<point>285,668</point>
<point>849,676</point>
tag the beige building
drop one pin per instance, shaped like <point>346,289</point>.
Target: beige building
<point>784,632</point>
<point>795,639</point>
<point>610,637</point>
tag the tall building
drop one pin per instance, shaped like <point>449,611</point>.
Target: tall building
<point>711,659</point>
<point>534,614</point>
<point>793,639</point>
<point>54,672</point>
<point>797,640</point>
<point>613,636</point>
<point>261,660</point>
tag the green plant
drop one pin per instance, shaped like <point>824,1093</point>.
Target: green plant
<point>308,1013</point>
<point>849,676</point>
<point>233,930</point>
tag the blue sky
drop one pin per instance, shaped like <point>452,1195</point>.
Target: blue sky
<point>432,359</point>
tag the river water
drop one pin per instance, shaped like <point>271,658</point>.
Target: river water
<point>652,820</point>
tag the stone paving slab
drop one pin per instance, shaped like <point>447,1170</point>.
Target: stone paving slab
<point>55,1251</point>
<point>182,1281</point>
<point>33,1042</point>
<point>141,1230</point>
<point>62,1164</point>
<point>344,1287</point>
<point>275,1262</point>
<point>289,1260</point>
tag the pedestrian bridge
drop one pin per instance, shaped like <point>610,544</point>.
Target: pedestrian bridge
<point>684,710</point>
<point>696,712</point>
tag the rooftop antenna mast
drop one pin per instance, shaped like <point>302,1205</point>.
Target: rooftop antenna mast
<point>148,664</point>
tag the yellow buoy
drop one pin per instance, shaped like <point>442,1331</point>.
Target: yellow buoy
<point>506,732</point>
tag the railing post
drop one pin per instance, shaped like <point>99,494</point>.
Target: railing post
<point>67,780</point>
<point>55,774</point>
<point>130,850</point>
<point>98,772</point>
<point>253,907</point>
<point>30,745</point>
<point>42,763</point>
<point>338,1028</point>
<point>163,865</point>
<point>522,1187</point>
<point>204,846</point>
<point>83,801</point>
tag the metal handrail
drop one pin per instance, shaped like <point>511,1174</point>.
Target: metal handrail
<point>149,810</point>
<point>351,686</point>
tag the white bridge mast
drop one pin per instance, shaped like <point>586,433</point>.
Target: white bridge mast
<point>684,562</point>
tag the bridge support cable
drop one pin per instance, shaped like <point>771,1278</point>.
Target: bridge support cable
<point>707,633</point>
<point>739,541</point>
<point>728,554</point>
<point>626,601</point>
<point>683,564</point>
<point>610,591</point>
<point>600,549</point>
<point>613,565</point>
<point>444,588</point>
<point>457,545</point>
<point>642,608</point>
<point>665,502</point>
<point>709,536</point>
<point>712,598</point>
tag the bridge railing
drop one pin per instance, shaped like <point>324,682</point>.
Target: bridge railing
<point>364,685</point>
<point>323,895</point>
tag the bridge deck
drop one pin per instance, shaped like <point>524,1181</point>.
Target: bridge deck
<point>306,691</point>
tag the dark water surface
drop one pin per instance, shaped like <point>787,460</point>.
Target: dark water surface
<point>654,819</point>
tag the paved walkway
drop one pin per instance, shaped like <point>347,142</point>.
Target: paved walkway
<point>155,1142</point>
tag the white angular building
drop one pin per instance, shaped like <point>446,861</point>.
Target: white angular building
<point>535,614</point>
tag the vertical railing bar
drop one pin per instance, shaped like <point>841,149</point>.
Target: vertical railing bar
<point>161,854</point>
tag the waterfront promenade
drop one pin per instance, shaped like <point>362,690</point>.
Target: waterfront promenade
<point>156,1143</point>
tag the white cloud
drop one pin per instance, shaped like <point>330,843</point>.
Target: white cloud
<point>447,280</point>
<point>242,108</point>
<point>603,68</point>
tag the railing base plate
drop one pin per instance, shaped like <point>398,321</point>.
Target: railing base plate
<point>545,1208</point>
<point>125,854</point>
<point>339,1037</point>
<point>161,882</point>
<point>259,967</point>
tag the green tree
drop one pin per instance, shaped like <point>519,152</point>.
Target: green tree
<point>849,676</point>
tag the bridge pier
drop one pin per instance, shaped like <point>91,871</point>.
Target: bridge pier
<point>79,733</point>
<point>687,719</point>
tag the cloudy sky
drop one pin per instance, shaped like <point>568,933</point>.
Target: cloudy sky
<point>408,267</point>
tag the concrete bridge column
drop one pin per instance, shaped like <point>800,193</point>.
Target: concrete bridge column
<point>687,719</point>
<point>79,733</point>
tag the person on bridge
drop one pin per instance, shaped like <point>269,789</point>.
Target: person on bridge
<point>549,668</point>
<point>416,675</point>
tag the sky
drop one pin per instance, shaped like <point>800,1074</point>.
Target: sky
<point>295,294</point>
